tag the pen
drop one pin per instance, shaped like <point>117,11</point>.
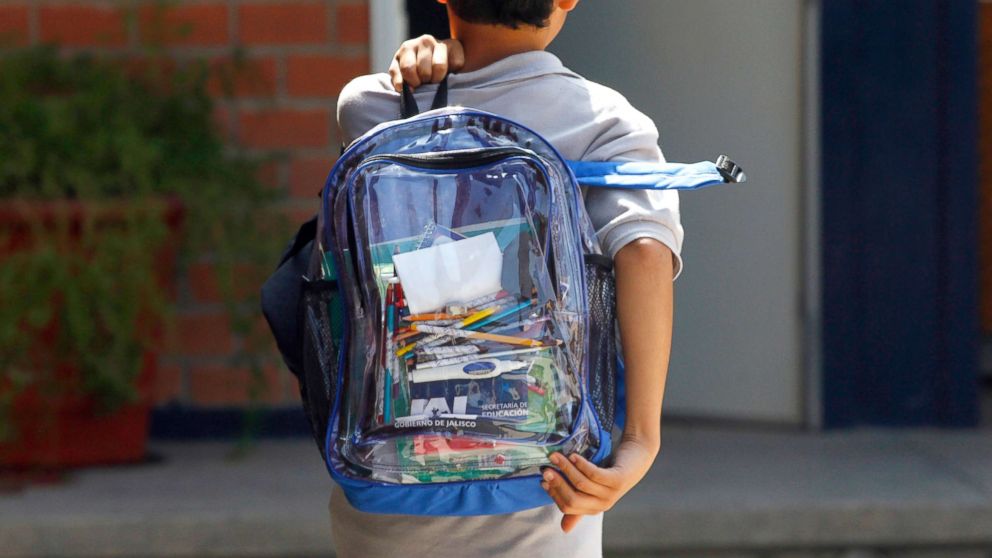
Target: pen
<point>387,384</point>
<point>456,350</point>
<point>477,370</point>
<point>455,332</point>
<point>391,304</point>
<point>399,301</point>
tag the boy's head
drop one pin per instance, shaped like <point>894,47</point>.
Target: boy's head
<point>545,17</point>
<point>509,13</point>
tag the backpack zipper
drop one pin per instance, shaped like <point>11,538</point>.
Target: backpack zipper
<point>455,159</point>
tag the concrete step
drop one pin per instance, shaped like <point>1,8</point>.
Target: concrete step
<point>712,493</point>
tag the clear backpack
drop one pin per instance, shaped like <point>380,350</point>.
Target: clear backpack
<point>456,320</point>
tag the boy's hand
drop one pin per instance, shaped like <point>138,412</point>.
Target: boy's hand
<point>586,489</point>
<point>425,60</point>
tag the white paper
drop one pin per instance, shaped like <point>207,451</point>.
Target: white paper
<point>451,272</point>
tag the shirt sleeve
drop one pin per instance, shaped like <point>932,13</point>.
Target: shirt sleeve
<point>623,216</point>
<point>365,102</point>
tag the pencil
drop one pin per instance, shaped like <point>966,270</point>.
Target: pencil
<point>454,332</point>
<point>480,315</point>
<point>432,316</point>
<point>508,312</point>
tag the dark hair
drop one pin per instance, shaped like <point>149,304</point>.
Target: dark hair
<point>510,13</point>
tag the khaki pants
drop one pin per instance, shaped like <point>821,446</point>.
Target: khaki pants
<point>532,533</point>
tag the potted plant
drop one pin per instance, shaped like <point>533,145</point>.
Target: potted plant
<point>107,175</point>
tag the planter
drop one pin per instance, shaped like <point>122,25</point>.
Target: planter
<point>54,423</point>
<point>67,430</point>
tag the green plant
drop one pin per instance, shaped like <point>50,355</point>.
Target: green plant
<point>124,145</point>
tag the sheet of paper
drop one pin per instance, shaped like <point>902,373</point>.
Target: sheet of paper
<point>450,272</point>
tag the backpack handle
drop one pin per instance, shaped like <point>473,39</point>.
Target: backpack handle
<point>408,104</point>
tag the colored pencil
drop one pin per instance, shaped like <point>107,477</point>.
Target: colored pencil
<point>470,358</point>
<point>480,315</point>
<point>505,313</point>
<point>455,332</point>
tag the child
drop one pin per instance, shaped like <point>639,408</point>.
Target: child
<point>499,49</point>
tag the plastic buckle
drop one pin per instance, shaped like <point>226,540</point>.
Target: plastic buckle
<point>730,171</point>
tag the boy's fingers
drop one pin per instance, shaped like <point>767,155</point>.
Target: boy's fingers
<point>567,499</point>
<point>594,473</point>
<point>408,66</point>
<point>395,75</point>
<point>456,54</point>
<point>569,522</point>
<point>439,63</point>
<point>424,61</point>
<point>581,482</point>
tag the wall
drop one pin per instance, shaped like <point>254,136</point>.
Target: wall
<point>299,54</point>
<point>720,77</point>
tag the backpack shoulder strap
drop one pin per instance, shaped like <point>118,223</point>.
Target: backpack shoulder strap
<point>657,176</point>
<point>408,105</point>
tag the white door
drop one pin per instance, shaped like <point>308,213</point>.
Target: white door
<point>720,76</point>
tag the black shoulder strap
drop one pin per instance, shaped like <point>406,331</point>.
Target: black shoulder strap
<point>408,105</point>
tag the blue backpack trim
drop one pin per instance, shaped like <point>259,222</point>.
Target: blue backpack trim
<point>461,498</point>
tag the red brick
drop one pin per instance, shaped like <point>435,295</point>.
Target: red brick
<point>204,286</point>
<point>217,384</point>
<point>82,25</point>
<point>243,78</point>
<point>307,176</point>
<point>283,23</point>
<point>298,212</point>
<point>13,25</point>
<point>285,128</point>
<point>168,385</point>
<point>203,283</point>
<point>205,334</point>
<point>321,75</point>
<point>268,173</point>
<point>184,24</point>
<point>352,22</point>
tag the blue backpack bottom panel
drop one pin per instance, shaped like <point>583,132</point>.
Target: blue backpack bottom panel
<point>452,499</point>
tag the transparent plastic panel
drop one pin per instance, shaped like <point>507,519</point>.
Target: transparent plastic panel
<point>467,332</point>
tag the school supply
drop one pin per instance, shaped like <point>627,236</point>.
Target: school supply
<point>466,216</point>
<point>449,272</point>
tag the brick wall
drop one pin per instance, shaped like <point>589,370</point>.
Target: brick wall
<point>299,53</point>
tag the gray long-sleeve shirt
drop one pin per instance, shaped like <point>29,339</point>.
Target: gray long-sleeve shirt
<point>582,119</point>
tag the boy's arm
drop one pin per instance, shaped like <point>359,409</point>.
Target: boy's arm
<point>644,271</point>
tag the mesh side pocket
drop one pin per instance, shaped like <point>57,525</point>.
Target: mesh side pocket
<point>321,339</point>
<point>601,287</point>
